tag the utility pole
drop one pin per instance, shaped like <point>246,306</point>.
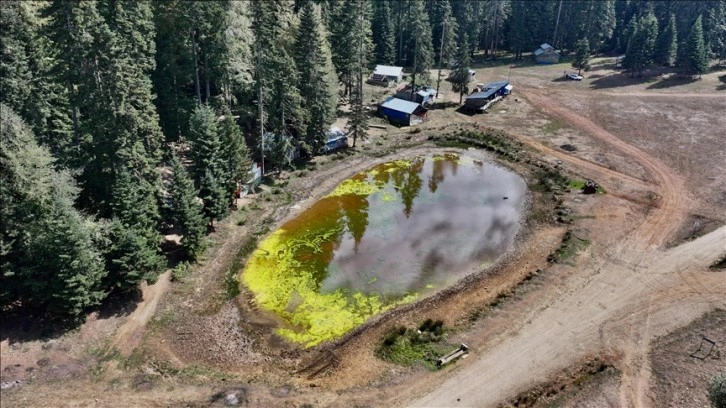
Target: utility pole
<point>441,56</point>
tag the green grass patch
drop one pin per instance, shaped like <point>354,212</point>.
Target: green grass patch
<point>580,184</point>
<point>570,245</point>
<point>552,126</point>
<point>422,346</point>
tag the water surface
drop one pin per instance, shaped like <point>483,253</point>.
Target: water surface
<point>381,238</point>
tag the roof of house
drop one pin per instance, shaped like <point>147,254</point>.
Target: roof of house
<point>483,94</point>
<point>489,90</point>
<point>387,70</point>
<point>496,85</point>
<point>545,48</point>
<point>400,105</point>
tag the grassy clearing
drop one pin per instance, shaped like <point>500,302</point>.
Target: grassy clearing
<point>409,347</point>
<point>570,245</point>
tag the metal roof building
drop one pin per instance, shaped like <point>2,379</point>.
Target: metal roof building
<point>402,112</point>
<point>489,92</point>
<point>546,54</point>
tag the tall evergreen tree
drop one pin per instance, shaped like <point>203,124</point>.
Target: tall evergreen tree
<point>666,50</point>
<point>186,211</point>
<point>26,81</point>
<point>423,51</point>
<point>318,83</point>
<point>234,153</point>
<point>444,32</point>
<point>384,32</point>
<point>48,254</point>
<point>205,143</point>
<point>214,196</point>
<point>582,55</point>
<point>360,34</point>
<point>209,169</point>
<point>133,254</point>
<point>174,73</point>
<point>460,75</point>
<point>641,45</point>
<point>695,59</point>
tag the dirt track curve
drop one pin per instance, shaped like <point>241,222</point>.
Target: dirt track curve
<point>616,304</point>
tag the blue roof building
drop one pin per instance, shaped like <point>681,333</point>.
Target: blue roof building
<point>402,112</point>
<point>486,93</point>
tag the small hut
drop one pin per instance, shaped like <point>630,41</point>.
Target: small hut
<point>546,54</point>
<point>386,75</point>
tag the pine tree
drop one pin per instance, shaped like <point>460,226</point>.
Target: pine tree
<point>600,23</point>
<point>275,72</point>
<point>209,168</point>
<point>318,83</point>
<point>133,254</point>
<point>519,34</point>
<point>186,211</point>
<point>48,256</point>
<point>444,32</point>
<point>214,196</point>
<point>715,20</point>
<point>667,46</point>
<point>174,73</point>
<point>422,46</point>
<point>641,46</point>
<point>460,75</point>
<point>360,45</point>
<point>384,35</point>
<point>695,58</point>
<point>234,153</point>
<point>582,55</point>
<point>205,143</point>
<point>239,42</point>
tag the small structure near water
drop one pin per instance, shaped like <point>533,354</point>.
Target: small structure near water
<point>487,94</point>
<point>463,349</point>
<point>402,112</point>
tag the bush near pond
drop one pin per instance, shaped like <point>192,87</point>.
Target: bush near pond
<point>410,347</point>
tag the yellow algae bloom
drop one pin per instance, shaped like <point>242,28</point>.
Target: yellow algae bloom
<point>354,186</point>
<point>387,196</point>
<point>282,285</point>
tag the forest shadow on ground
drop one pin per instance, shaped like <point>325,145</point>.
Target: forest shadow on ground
<point>24,324</point>
<point>671,82</point>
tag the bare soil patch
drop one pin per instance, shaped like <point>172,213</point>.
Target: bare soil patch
<point>680,375</point>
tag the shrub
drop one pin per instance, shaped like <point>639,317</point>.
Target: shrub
<point>717,391</point>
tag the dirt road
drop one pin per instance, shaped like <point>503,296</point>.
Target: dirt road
<point>130,334</point>
<point>616,304</point>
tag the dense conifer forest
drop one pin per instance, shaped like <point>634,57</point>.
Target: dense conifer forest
<point>98,96</point>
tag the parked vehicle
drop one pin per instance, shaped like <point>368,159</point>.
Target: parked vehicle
<point>574,77</point>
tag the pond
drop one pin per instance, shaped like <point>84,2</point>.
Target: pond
<point>384,237</point>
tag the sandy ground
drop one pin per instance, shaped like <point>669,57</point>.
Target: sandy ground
<point>657,150</point>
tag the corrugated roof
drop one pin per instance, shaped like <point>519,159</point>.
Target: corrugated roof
<point>400,105</point>
<point>388,70</point>
<point>544,48</point>
<point>483,94</point>
<point>496,85</point>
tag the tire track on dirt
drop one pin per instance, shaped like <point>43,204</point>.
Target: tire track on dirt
<point>634,280</point>
<point>655,230</point>
<point>660,224</point>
